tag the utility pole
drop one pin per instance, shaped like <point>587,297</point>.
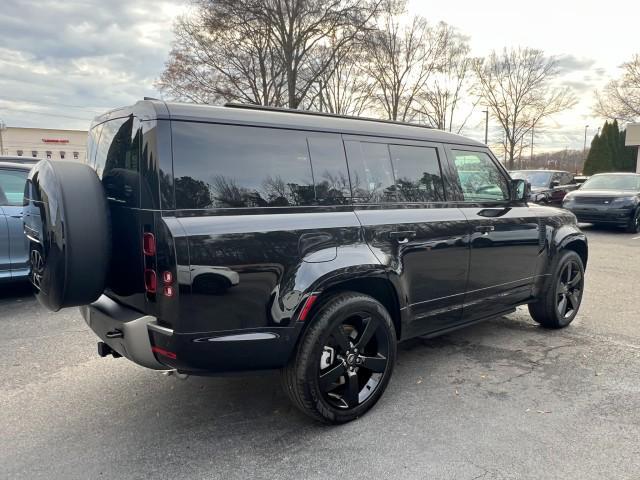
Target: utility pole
<point>321,99</point>
<point>584,150</point>
<point>2,129</point>
<point>486,126</point>
<point>532,129</point>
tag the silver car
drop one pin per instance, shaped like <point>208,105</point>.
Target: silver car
<point>14,258</point>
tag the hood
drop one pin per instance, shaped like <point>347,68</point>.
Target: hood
<point>604,193</point>
<point>537,189</point>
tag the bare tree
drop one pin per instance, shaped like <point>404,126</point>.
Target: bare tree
<point>517,86</point>
<point>212,62</point>
<point>449,88</point>
<point>344,88</point>
<point>621,98</point>
<point>402,54</point>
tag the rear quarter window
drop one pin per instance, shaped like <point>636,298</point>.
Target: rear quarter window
<point>118,161</point>
<point>228,166</point>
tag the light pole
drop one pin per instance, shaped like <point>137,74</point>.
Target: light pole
<point>584,150</point>
<point>486,126</point>
<point>532,130</point>
<point>3,127</point>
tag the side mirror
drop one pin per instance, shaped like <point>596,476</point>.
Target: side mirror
<point>520,190</point>
<point>555,184</point>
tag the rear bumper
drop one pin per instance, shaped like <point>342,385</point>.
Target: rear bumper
<point>614,216</point>
<point>124,330</point>
<point>199,353</point>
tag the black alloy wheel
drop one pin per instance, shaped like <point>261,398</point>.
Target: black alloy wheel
<point>344,360</point>
<point>569,289</point>
<point>559,301</point>
<point>353,361</point>
<point>634,222</point>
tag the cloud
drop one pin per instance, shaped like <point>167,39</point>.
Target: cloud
<point>571,64</point>
<point>91,54</point>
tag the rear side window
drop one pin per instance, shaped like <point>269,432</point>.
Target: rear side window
<point>118,160</point>
<point>12,184</point>
<point>226,166</point>
<point>417,173</point>
<point>480,178</point>
<point>371,173</point>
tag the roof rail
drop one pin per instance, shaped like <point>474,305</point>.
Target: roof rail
<point>250,106</point>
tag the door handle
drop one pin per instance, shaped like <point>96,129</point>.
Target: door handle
<point>402,236</point>
<point>485,228</point>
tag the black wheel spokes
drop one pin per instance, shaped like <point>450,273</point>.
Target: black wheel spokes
<point>358,362</point>
<point>569,289</point>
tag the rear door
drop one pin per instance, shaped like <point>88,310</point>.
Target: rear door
<point>506,237</point>
<point>401,201</point>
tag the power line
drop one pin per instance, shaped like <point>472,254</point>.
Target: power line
<point>42,114</point>
<point>53,104</point>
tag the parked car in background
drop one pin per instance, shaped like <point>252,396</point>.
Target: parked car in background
<point>21,160</point>
<point>608,198</point>
<point>212,239</point>
<point>548,187</point>
<point>14,261</point>
<point>580,179</point>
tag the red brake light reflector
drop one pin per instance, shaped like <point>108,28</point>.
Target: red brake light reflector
<point>150,281</point>
<point>167,277</point>
<point>168,291</point>
<point>307,306</point>
<point>163,352</point>
<point>148,244</point>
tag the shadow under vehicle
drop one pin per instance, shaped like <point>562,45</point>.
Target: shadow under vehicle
<point>325,240</point>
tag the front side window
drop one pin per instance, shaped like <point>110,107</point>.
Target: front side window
<point>417,173</point>
<point>480,178</point>
<point>12,184</point>
<point>226,166</point>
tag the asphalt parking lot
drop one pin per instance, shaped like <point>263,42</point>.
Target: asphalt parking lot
<point>504,399</point>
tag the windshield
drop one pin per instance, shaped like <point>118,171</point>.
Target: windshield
<point>612,182</point>
<point>536,179</point>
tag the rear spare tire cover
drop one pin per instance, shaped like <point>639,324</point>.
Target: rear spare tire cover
<point>67,222</point>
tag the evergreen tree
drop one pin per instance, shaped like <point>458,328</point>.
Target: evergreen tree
<point>600,158</point>
<point>617,149</point>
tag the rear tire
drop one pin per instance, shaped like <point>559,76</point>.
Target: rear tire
<point>559,302</point>
<point>344,361</point>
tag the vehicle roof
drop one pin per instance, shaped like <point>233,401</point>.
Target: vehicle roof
<point>17,159</point>
<point>540,170</point>
<point>617,173</point>
<point>150,109</point>
<point>16,166</point>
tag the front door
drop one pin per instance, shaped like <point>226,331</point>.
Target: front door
<point>505,237</point>
<point>18,242</point>
<point>401,202</point>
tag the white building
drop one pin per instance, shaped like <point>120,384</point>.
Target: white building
<point>44,143</point>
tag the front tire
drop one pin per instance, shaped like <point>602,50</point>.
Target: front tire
<point>562,296</point>
<point>634,222</point>
<point>344,360</point>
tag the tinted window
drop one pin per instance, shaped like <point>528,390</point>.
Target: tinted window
<point>480,178</point>
<point>92,144</point>
<point>370,172</point>
<point>118,160</point>
<point>230,166</point>
<point>12,184</point>
<point>329,169</point>
<point>417,173</point>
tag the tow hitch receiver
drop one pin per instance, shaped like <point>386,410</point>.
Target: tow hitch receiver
<point>105,350</point>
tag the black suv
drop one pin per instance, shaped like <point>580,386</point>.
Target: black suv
<point>223,239</point>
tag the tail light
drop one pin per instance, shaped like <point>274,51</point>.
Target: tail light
<point>150,281</point>
<point>149,244</point>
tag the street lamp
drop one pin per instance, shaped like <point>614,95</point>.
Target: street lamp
<point>486,126</point>
<point>3,127</point>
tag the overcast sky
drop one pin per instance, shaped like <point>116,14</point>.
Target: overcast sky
<point>64,61</point>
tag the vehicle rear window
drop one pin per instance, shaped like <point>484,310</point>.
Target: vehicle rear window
<point>12,184</point>
<point>118,160</point>
<point>227,166</point>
